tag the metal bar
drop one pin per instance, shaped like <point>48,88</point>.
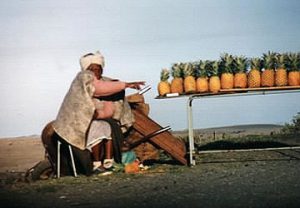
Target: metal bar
<point>197,96</point>
<point>58,159</point>
<point>149,136</point>
<point>144,90</point>
<point>191,130</point>
<point>233,93</point>
<point>72,160</point>
<point>249,150</point>
<point>262,92</point>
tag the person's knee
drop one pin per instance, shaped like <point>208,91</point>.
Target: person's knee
<point>47,133</point>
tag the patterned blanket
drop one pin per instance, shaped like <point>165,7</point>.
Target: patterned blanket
<point>76,111</point>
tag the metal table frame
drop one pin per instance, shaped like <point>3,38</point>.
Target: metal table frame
<point>192,97</point>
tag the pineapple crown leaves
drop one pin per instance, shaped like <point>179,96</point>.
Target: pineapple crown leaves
<point>195,66</point>
<point>228,63</point>
<point>282,61</point>
<point>241,64</point>
<point>203,68</point>
<point>256,63</point>
<point>176,70</point>
<point>181,66</point>
<point>294,59</point>
<point>201,65</point>
<point>164,74</point>
<point>298,58</point>
<point>215,68</point>
<point>208,65</point>
<point>188,70</point>
<point>269,60</point>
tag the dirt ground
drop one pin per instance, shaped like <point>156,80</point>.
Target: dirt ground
<point>19,154</point>
<point>228,179</point>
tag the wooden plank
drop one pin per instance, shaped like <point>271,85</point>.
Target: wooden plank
<point>233,90</point>
<point>165,140</point>
<point>146,126</point>
<point>260,89</point>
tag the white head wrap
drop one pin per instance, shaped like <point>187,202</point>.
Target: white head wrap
<point>93,58</point>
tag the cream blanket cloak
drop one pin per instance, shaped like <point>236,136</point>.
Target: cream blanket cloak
<point>76,111</point>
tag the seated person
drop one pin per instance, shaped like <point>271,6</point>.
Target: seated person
<point>80,108</point>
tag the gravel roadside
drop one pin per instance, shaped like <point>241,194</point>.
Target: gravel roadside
<point>232,179</point>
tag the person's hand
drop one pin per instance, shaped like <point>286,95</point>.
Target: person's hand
<point>134,85</point>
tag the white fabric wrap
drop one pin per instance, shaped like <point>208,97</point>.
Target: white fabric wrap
<point>96,58</point>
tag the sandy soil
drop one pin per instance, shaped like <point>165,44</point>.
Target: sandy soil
<point>232,179</point>
<point>228,179</point>
<point>20,154</point>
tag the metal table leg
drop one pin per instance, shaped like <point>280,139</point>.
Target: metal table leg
<point>191,131</point>
<point>58,159</point>
<point>72,160</point>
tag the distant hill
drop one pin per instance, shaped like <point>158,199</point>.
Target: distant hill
<point>238,130</point>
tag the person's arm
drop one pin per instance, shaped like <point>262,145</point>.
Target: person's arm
<point>134,85</point>
<point>105,88</point>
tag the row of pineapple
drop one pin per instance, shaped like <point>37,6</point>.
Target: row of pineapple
<point>272,69</point>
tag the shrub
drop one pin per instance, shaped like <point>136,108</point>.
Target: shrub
<point>294,127</point>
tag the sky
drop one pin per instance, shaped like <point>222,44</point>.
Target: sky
<point>41,43</point>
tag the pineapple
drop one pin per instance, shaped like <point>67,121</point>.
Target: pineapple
<point>254,75</point>
<point>281,73</point>
<point>202,76</point>
<point>189,82</point>
<point>240,76</point>
<point>227,66</point>
<point>294,69</point>
<point>177,81</point>
<point>268,75</point>
<point>164,85</point>
<point>214,80</point>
